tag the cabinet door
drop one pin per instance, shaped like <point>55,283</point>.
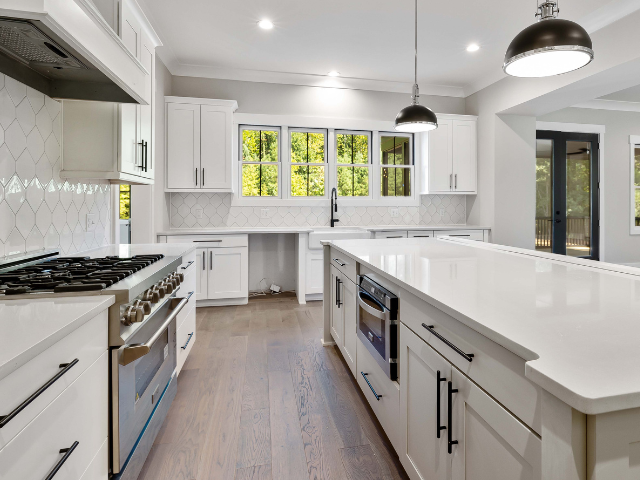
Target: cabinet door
<point>130,151</point>
<point>440,158</point>
<point>130,29</point>
<point>215,155</point>
<point>492,444</point>
<point>349,320</point>
<point>423,382</point>
<point>145,120</point>
<point>183,145</point>
<point>202,273</point>
<point>464,156</point>
<point>228,273</point>
<point>315,272</point>
<point>337,318</point>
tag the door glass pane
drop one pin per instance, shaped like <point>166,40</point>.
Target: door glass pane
<point>544,197</point>
<point>578,199</point>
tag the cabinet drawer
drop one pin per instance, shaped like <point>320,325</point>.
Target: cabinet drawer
<point>345,264</point>
<point>493,367</point>
<point>387,408</point>
<point>477,235</point>
<point>86,344</point>
<point>99,467</point>
<point>79,414</point>
<point>391,234</point>
<point>212,240</point>
<point>186,337</point>
<point>420,233</point>
<point>189,283</point>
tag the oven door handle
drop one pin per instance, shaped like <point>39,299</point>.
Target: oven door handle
<point>382,315</point>
<point>130,353</point>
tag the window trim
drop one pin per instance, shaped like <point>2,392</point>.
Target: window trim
<point>241,162</point>
<point>411,166</point>
<point>634,141</point>
<point>325,164</point>
<point>369,164</point>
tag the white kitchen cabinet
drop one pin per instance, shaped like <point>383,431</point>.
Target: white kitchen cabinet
<point>423,409</point>
<point>337,319</point>
<point>477,235</point>
<point>451,163</point>
<point>343,301</point>
<point>202,274</point>
<point>391,234</point>
<point>115,141</point>
<point>314,272</point>
<point>228,273</point>
<point>420,234</point>
<point>200,143</point>
<point>492,443</point>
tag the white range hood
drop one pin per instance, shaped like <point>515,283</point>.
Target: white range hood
<point>65,49</point>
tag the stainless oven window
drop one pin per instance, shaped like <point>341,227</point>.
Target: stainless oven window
<point>148,365</point>
<point>372,321</point>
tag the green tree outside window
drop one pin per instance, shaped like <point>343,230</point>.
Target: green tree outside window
<point>125,202</point>
<point>308,164</point>
<point>353,164</point>
<point>260,163</point>
<point>395,179</point>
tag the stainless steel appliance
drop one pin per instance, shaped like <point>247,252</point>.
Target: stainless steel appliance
<point>377,317</point>
<point>142,332</point>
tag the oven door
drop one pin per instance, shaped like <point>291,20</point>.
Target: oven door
<point>140,373</point>
<point>377,332</point>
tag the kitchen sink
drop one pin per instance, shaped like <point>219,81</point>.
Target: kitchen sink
<point>337,233</point>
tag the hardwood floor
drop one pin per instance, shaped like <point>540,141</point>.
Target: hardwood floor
<point>259,398</point>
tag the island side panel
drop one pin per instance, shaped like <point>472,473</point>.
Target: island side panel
<point>327,339</point>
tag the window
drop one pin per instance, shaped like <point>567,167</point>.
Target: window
<point>260,161</point>
<point>308,159</point>
<point>352,159</point>
<point>125,202</point>
<point>636,186</point>
<point>396,162</point>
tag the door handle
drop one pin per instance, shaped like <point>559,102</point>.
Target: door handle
<point>146,156</point>
<point>204,261</point>
<point>450,393</point>
<point>456,181</point>
<point>203,176</point>
<point>364,375</point>
<point>338,299</point>
<point>439,428</point>
<point>557,220</point>
<point>467,356</point>
<point>196,177</point>
<point>451,181</point>
<point>210,260</point>
<point>67,453</point>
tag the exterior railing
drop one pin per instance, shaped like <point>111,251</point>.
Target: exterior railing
<point>578,231</point>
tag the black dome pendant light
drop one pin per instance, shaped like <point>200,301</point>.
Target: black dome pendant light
<point>549,47</point>
<point>416,118</point>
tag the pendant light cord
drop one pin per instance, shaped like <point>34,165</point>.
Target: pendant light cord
<point>415,84</point>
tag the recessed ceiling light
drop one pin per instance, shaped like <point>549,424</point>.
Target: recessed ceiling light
<point>474,47</point>
<point>333,73</point>
<point>265,24</point>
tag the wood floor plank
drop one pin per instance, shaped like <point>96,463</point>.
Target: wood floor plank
<point>278,359</point>
<point>218,456</point>
<point>261,472</point>
<point>254,444</point>
<point>361,463</point>
<point>181,407</point>
<point>319,435</point>
<point>288,461</point>
<point>255,393</point>
<point>318,355</point>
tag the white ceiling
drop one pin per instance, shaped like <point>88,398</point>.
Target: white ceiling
<point>369,40</point>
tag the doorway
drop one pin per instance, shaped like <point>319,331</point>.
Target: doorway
<point>567,184</point>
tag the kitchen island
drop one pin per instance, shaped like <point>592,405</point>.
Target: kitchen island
<point>513,363</point>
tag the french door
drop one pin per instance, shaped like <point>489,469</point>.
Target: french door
<point>567,192</point>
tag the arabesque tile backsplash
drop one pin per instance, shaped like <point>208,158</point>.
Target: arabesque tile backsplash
<point>38,210</point>
<point>217,212</point>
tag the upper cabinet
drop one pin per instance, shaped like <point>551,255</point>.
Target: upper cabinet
<point>451,156</point>
<point>200,144</point>
<point>115,141</point>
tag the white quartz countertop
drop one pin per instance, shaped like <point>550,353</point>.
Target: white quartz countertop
<point>373,228</point>
<point>576,322</point>
<point>167,249</point>
<point>30,326</point>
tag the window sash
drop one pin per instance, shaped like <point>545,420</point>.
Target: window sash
<point>276,164</point>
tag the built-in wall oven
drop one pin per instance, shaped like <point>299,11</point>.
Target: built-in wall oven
<point>377,319</point>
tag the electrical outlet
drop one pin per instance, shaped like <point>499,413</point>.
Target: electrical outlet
<point>264,213</point>
<point>199,212</point>
<point>441,211</point>
<point>395,213</point>
<point>92,222</point>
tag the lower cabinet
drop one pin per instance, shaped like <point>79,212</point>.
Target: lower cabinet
<point>343,318</point>
<point>222,273</point>
<point>451,428</point>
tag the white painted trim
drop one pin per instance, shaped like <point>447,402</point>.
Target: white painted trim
<point>615,105</point>
<point>232,104</point>
<point>309,80</point>
<point>587,128</point>
<point>145,23</point>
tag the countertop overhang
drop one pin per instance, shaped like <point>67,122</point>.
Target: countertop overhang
<point>372,228</point>
<point>575,322</point>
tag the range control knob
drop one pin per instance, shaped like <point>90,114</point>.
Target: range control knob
<point>160,288</point>
<point>180,277</point>
<point>132,314</point>
<point>168,287</point>
<point>144,305</point>
<point>175,279</point>
<point>152,295</point>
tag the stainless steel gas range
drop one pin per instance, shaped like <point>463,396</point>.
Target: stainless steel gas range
<point>142,330</point>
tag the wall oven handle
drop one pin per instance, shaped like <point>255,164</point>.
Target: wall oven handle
<point>450,393</point>
<point>467,356</point>
<point>184,347</point>
<point>67,453</point>
<point>364,375</point>
<point>188,265</point>
<point>65,368</point>
<point>382,315</point>
<point>439,427</point>
<point>130,353</point>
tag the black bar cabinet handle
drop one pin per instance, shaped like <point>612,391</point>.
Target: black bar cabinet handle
<point>338,299</point>
<point>188,265</point>
<point>146,156</point>
<point>204,261</point>
<point>203,176</point>
<point>467,356</point>
<point>67,453</point>
<point>364,375</point>
<point>65,368</point>
<point>451,391</point>
<point>184,347</point>
<point>439,428</point>
<point>196,176</point>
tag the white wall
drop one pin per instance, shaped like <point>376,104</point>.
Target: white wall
<point>619,245</point>
<point>272,257</point>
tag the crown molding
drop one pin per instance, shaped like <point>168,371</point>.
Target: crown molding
<point>302,79</point>
<point>615,105</point>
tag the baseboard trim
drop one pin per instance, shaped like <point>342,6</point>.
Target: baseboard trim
<point>222,302</point>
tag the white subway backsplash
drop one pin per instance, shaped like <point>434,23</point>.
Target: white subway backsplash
<point>210,210</point>
<point>38,210</point>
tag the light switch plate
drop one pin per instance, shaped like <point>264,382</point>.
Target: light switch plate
<point>92,221</point>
